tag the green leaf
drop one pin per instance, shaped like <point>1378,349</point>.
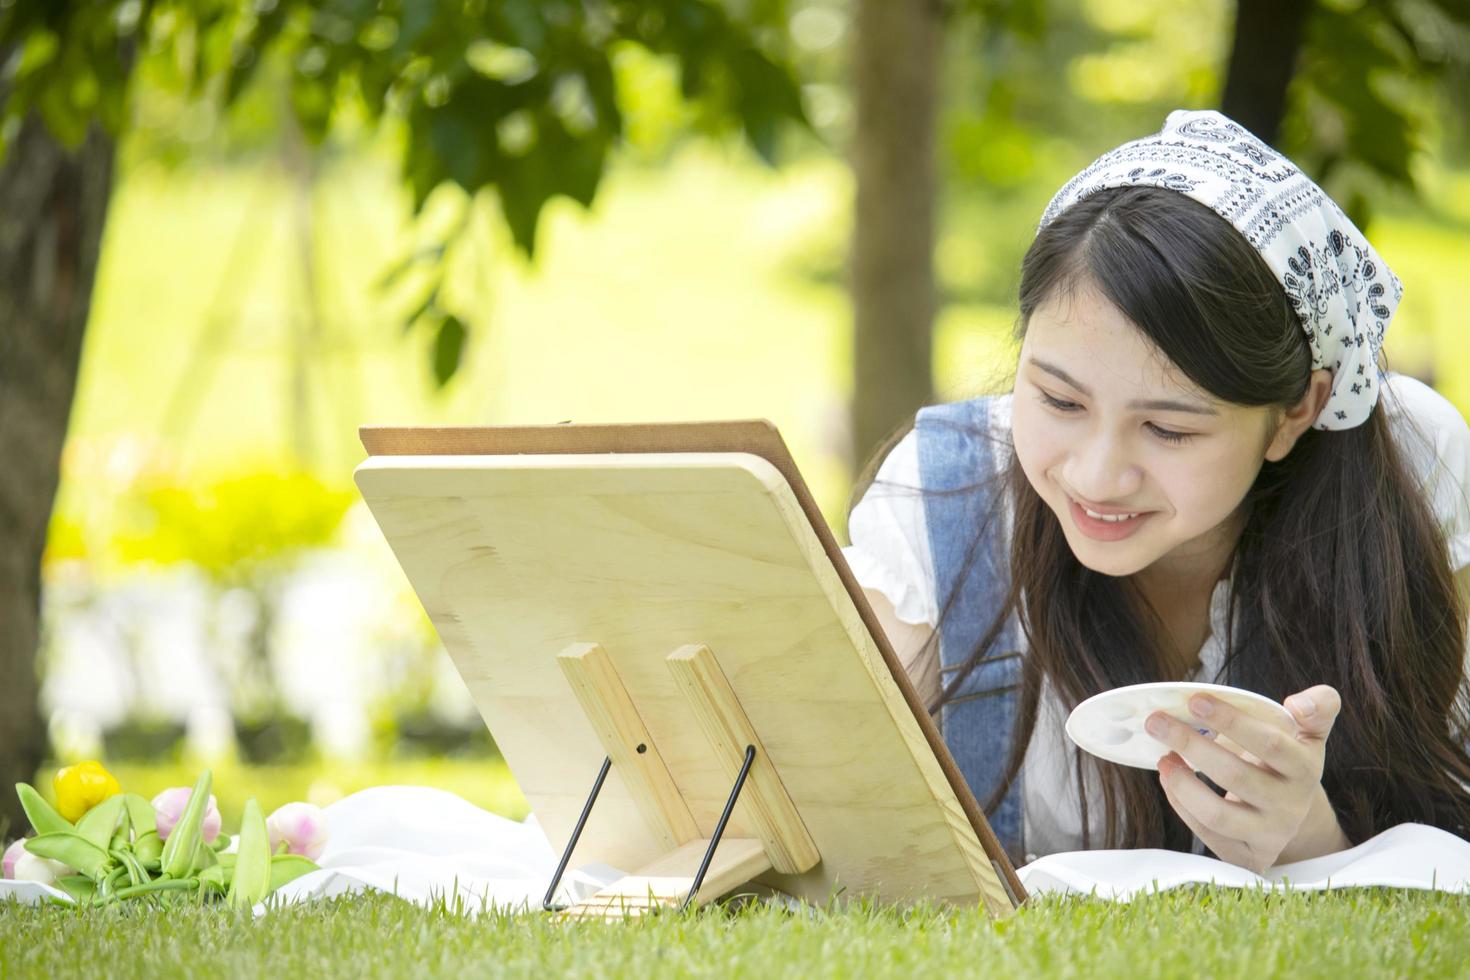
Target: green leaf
<point>245,57</point>
<point>429,302</point>
<point>524,190</point>
<point>448,349</point>
<point>43,817</point>
<point>217,877</point>
<point>140,815</point>
<point>79,887</point>
<point>122,835</point>
<point>289,867</point>
<point>432,254</point>
<point>74,851</point>
<point>136,874</point>
<point>183,840</point>
<point>98,824</point>
<point>768,98</point>
<point>252,877</point>
<point>107,887</point>
<point>148,848</point>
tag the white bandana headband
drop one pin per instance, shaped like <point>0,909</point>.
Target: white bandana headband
<point>1342,291</point>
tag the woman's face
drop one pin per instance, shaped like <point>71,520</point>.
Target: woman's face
<point>1139,464</point>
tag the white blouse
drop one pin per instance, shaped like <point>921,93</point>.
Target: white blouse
<point>890,554</point>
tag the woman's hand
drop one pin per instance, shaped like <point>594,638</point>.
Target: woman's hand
<point>1274,809</point>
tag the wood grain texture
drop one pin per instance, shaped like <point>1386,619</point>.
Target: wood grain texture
<point>516,557</point>
<point>615,719</point>
<point>728,730</point>
<point>666,881</point>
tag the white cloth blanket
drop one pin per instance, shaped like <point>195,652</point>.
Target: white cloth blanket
<point>425,844</point>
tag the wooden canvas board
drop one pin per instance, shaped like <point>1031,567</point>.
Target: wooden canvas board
<point>522,542</point>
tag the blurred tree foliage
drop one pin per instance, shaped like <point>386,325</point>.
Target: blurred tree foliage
<point>519,97</point>
<point>236,530</point>
<point>514,97</point>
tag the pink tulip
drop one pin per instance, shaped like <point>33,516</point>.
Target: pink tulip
<point>29,867</point>
<point>301,827</point>
<point>12,853</point>
<point>169,805</point>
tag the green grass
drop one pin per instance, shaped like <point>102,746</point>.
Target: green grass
<point>1188,932</point>
<point>1201,932</point>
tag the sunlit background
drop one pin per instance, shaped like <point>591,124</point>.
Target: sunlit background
<point>215,590</point>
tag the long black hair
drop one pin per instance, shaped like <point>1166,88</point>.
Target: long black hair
<point>1341,575</point>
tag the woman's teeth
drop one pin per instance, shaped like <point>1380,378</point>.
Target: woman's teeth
<point>1111,518</point>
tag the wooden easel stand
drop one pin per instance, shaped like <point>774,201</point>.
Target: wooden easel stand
<point>782,842</point>
<point>709,853</point>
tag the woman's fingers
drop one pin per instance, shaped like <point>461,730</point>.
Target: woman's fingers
<point>1315,711</point>
<point>1221,817</point>
<point>1296,755</point>
<point>1225,848</point>
<point>1229,771</point>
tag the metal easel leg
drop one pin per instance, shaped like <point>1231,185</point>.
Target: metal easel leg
<point>566,855</point>
<point>714,840</point>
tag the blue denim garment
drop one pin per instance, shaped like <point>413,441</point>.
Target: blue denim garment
<point>957,453</point>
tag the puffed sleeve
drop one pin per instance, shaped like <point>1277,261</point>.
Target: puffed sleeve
<point>890,540</point>
<point>1436,439</point>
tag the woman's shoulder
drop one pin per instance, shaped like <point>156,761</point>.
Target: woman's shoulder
<point>993,410</point>
<point>1435,440</point>
<point>1427,426</point>
<point>944,429</point>
<point>955,440</point>
<point>889,526</point>
<point>1433,413</point>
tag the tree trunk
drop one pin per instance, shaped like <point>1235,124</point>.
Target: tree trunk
<point>52,205</point>
<point>896,54</point>
<point>1263,55</point>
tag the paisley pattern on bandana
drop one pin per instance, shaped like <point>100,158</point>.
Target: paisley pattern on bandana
<point>1343,292</point>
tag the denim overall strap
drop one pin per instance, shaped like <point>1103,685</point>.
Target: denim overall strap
<point>958,470</point>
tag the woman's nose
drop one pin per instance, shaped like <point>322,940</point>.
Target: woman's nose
<point>1102,471</point>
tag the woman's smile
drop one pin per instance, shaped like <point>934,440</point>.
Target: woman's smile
<point>1109,525</point>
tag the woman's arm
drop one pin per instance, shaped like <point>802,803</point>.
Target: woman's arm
<point>920,659</point>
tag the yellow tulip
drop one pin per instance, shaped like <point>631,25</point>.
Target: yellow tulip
<point>81,787</point>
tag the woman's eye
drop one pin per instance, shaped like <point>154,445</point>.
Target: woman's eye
<point>1169,435</point>
<point>1057,403</point>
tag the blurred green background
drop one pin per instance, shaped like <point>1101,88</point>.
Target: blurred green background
<point>213,589</point>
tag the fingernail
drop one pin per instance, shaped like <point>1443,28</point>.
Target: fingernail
<point>1201,707</point>
<point>1155,726</point>
<point>1303,706</point>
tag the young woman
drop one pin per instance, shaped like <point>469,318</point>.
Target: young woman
<point>1201,474</point>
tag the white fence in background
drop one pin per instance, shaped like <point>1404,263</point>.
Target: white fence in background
<point>167,643</point>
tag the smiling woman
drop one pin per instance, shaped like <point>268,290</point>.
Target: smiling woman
<point>1201,474</point>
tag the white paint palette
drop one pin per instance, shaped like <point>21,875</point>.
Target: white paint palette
<point>1110,724</point>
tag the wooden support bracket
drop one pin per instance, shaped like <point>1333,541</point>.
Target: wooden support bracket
<point>625,738</point>
<point>772,814</point>
<point>665,882</point>
<point>781,841</point>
